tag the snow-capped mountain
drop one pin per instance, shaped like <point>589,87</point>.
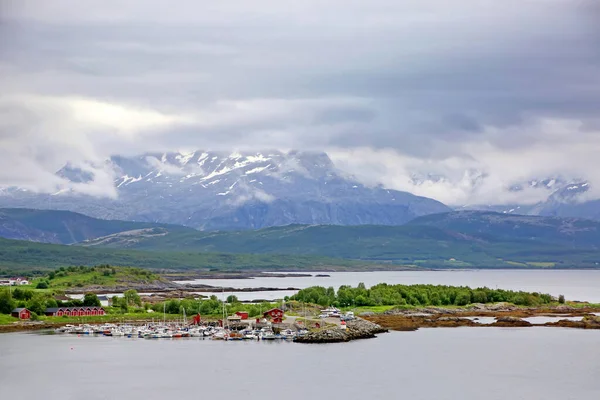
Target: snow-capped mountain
<point>215,190</point>
<point>564,199</point>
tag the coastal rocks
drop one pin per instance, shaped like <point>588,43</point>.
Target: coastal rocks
<point>588,322</point>
<point>356,329</point>
<point>494,307</point>
<point>511,322</point>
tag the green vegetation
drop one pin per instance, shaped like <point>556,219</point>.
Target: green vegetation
<point>415,295</point>
<point>481,240</point>
<point>35,301</point>
<point>68,227</point>
<point>91,300</point>
<point>129,306</point>
<point>100,275</point>
<point>21,257</point>
<point>466,239</point>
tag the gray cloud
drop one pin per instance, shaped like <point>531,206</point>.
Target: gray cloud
<point>510,89</point>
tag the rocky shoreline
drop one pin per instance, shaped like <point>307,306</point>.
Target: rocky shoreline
<point>356,329</point>
<point>174,288</point>
<point>504,315</point>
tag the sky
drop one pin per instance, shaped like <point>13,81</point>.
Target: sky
<point>394,91</point>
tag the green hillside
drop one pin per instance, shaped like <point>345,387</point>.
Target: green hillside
<point>18,256</point>
<point>463,239</point>
<point>421,245</point>
<point>495,227</point>
<point>66,227</point>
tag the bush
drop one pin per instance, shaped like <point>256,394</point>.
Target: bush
<point>7,304</point>
<point>42,285</point>
<point>561,299</point>
<point>91,300</point>
<point>22,294</point>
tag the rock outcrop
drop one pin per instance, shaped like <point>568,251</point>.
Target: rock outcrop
<point>511,322</point>
<point>355,329</point>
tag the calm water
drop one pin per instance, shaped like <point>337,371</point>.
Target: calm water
<point>575,285</point>
<point>463,363</point>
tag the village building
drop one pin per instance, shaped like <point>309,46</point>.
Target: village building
<point>242,314</point>
<point>21,313</point>
<point>14,281</point>
<point>74,311</point>
<point>234,318</point>
<point>275,315</point>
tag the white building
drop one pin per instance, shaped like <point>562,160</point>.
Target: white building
<point>18,281</point>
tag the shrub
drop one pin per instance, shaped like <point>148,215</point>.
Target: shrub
<point>42,285</point>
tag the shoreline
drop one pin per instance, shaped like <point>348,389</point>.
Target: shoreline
<point>503,315</point>
<point>367,325</point>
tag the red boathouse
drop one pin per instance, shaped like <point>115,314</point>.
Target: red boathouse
<point>275,314</point>
<point>242,314</point>
<point>74,311</point>
<point>21,313</point>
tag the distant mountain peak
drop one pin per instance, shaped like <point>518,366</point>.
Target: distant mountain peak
<point>236,190</point>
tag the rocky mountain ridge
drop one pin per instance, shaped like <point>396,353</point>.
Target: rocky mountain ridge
<point>216,190</point>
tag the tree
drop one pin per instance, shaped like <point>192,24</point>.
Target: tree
<point>91,300</point>
<point>51,303</point>
<point>22,294</point>
<point>42,285</point>
<point>115,301</point>
<point>232,299</point>
<point>7,304</point>
<point>132,298</point>
<point>323,301</point>
<point>37,305</point>
<point>561,299</point>
<point>463,298</point>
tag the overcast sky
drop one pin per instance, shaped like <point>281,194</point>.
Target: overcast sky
<point>390,88</point>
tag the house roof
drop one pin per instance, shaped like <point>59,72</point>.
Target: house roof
<point>19,309</point>
<point>55,309</point>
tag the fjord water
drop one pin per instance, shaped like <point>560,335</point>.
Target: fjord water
<point>583,285</point>
<point>459,363</point>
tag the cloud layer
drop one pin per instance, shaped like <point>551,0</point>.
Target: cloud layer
<point>471,91</point>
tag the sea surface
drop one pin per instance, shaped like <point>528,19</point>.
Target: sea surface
<point>429,364</point>
<point>582,285</point>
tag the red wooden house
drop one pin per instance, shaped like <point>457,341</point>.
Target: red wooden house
<point>275,314</point>
<point>242,314</point>
<point>74,311</point>
<point>21,313</point>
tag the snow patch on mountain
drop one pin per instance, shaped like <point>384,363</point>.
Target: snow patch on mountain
<point>237,190</point>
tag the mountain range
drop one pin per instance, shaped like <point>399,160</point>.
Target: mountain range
<point>472,239</point>
<point>231,191</point>
<point>216,191</point>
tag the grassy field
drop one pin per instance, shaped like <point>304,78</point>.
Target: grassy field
<point>105,276</point>
<point>7,319</point>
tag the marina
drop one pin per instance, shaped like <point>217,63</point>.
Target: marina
<point>178,331</point>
